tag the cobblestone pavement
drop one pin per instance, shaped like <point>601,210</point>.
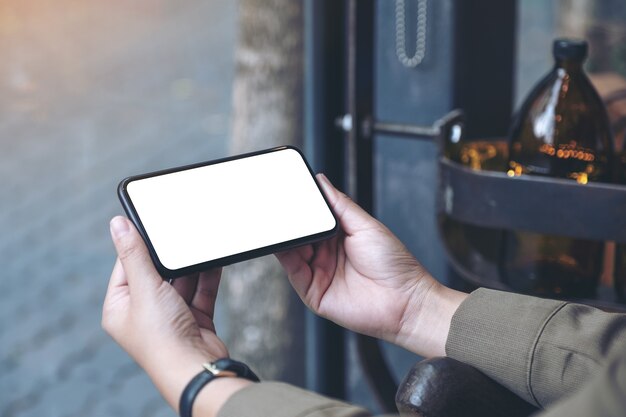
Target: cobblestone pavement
<point>91,91</point>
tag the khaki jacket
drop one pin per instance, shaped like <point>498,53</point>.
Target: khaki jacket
<point>568,359</point>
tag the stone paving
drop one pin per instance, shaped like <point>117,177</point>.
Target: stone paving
<point>90,92</point>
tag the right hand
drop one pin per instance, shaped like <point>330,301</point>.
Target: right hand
<point>364,279</point>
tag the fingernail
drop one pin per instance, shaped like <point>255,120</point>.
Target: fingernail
<point>324,183</point>
<point>119,227</point>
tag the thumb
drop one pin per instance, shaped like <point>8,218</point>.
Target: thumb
<point>351,216</point>
<point>133,254</point>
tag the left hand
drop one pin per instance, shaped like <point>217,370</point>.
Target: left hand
<point>167,329</point>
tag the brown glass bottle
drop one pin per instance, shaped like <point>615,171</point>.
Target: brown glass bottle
<point>474,248</point>
<point>561,131</point>
<point>619,274</point>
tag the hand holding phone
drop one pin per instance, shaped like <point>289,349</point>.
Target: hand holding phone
<point>225,211</point>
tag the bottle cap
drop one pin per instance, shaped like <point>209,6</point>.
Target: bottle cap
<point>570,49</point>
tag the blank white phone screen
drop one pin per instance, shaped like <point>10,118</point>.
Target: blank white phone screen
<point>210,212</point>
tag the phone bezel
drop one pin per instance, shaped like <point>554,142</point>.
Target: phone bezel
<point>167,273</point>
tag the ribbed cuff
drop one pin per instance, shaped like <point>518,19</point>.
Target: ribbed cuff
<point>497,332</point>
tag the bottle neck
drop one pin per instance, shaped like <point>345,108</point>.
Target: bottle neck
<point>569,65</point>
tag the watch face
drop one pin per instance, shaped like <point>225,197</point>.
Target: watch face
<point>215,370</point>
<point>223,365</point>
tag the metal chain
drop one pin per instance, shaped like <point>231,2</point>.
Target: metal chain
<point>420,38</point>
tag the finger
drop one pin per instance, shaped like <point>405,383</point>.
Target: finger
<point>116,282</point>
<point>351,216</point>
<point>291,258</point>
<point>326,257</point>
<point>133,254</point>
<point>118,277</point>
<point>296,264</point>
<point>301,253</point>
<point>186,286</point>
<point>206,292</point>
<point>117,288</point>
<point>204,321</point>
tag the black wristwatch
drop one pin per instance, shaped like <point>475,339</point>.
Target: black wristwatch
<point>220,368</point>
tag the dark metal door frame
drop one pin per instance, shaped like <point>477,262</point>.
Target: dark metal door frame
<point>341,67</point>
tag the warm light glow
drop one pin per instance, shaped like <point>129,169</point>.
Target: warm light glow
<point>475,154</point>
<point>516,169</point>
<point>580,177</point>
<point>570,151</point>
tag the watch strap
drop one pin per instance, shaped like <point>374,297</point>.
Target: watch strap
<point>224,367</point>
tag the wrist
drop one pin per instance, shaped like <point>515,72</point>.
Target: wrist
<point>215,394</point>
<point>174,374</point>
<point>225,377</point>
<point>426,324</point>
<point>171,372</point>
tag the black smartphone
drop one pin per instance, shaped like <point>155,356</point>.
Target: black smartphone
<point>225,211</point>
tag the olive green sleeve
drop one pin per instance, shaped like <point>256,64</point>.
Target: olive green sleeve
<point>282,400</point>
<point>543,350</point>
<point>602,396</point>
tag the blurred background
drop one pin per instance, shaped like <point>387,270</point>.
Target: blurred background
<point>90,92</point>
<point>93,91</point>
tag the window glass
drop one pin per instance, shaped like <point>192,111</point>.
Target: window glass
<point>601,22</point>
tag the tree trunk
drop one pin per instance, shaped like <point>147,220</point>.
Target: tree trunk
<point>573,17</point>
<point>265,318</point>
